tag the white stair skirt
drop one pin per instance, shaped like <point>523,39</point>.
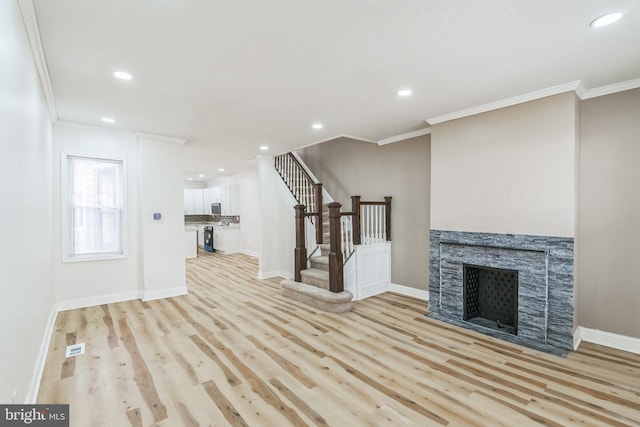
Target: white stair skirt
<point>368,271</point>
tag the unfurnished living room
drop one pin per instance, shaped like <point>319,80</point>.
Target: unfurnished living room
<point>343,213</point>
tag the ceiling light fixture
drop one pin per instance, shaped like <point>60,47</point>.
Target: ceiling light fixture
<point>221,170</point>
<point>108,120</point>
<point>264,147</point>
<point>607,19</point>
<point>404,92</point>
<point>317,126</point>
<point>189,179</point>
<point>201,175</point>
<point>122,75</point>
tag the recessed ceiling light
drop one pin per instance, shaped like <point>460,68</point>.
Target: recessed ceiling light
<point>189,179</point>
<point>404,92</point>
<point>607,19</point>
<point>221,170</point>
<point>317,126</point>
<point>122,75</point>
<point>108,120</point>
<point>264,147</point>
<point>201,175</point>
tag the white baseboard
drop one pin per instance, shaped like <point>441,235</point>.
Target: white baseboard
<point>410,292</point>
<point>275,273</point>
<point>249,253</point>
<point>608,339</point>
<point>371,290</point>
<point>98,300</point>
<point>38,370</point>
<point>164,293</point>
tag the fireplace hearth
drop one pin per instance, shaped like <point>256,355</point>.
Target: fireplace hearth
<point>536,273</point>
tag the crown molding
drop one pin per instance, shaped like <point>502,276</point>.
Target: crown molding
<point>93,128</point>
<point>30,21</point>
<point>161,138</point>
<point>612,88</point>
<point>405,136</point>
<point>531,96</point>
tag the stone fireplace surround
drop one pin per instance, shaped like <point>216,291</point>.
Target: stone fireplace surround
<point>545,269</point>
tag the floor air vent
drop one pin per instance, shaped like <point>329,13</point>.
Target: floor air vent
<point>75,350</point>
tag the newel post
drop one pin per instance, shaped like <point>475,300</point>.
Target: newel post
<point>336,283</point>
<point>300,253</point>
<point>317,189</point>
<point>387,216</point>
<point>355,219</point>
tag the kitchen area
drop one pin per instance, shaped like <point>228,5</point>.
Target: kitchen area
<point>211,220</point>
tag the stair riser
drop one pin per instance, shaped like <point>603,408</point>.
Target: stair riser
<point>319,265</point>
<point>315,281</point>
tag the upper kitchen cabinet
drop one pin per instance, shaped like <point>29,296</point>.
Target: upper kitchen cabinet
<point>212,195</point>
<point>193,201</point>
<point>230,200</point>
<point>198,201</point>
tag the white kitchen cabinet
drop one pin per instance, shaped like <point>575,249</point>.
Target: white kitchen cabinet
<point>193,201</point>
<point>189,207</point>
<point>230,205</point>
<point>226,240</point>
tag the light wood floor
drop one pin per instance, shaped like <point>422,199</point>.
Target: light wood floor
<point>235,352</point>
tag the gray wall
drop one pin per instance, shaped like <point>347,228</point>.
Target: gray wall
<point>608,239</point>
<point>510,170</point>
<point>401,170</point>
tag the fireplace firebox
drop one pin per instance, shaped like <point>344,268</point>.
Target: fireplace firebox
<point>490,297</point>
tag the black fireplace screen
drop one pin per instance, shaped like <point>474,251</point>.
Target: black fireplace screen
<point>491,297</point>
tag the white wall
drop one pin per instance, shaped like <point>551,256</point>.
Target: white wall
<point>277,225</point>
<point>248,208</point>
<point>94,282</point>
<point>249,201</point>
<point>161,191</point>
<point>154,263</point>
<point>25,217</point>
<point>507,171</point>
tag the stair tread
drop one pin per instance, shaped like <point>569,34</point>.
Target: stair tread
<point>320,259</point>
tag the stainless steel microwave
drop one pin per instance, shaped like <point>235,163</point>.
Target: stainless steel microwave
<point>216,209</point>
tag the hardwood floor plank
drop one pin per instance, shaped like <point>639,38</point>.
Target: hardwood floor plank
<point>69,364</point>
<point>235,351</point>
<point>224,405</point>
<point>289,367</point>
<point>143,377</point>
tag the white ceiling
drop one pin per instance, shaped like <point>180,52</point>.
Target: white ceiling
<point>230,76</point>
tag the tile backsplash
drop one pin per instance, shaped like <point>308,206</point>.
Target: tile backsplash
<point>223,219</point>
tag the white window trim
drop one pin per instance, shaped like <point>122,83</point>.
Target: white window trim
<point>65,206</point>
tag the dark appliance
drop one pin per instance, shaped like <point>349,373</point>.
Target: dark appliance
<point>208,239</point>
<point>216,209</point>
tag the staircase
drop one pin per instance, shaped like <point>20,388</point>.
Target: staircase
<point>319,278</point>
<point>313,288</point>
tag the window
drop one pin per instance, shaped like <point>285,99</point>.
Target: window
<point>95,205</point>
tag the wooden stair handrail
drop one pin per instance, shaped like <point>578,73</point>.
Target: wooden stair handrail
<point>336,278</point>
<point>300,252</point>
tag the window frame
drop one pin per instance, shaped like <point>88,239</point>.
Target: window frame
<point>67,218</point>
